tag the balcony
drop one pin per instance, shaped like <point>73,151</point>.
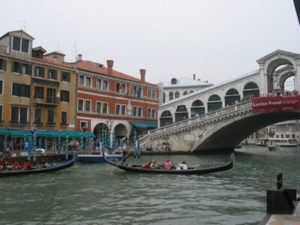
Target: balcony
<point>18,123</point>
<point>48,101</point>
<point>38,124</point>
<point>64,124</point>
<point>50,124</point>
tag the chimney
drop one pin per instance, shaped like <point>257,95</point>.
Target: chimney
<point>143,72</point>
<point>79,57</point>
<point>194,76</point>
<point>110,64</point>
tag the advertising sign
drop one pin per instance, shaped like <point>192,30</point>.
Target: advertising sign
<point>276,103</point>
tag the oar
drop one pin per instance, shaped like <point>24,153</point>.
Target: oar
<point>121,161</point>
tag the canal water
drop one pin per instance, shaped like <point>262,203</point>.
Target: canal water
<point>100,194</point>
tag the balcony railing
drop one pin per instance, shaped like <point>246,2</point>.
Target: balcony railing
<point>38,124</point>
<point>18,123</point>
<point>64,124</point>
<point>48,101</point>
<point>51,124</point>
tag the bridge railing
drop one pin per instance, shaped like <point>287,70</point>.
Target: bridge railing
<point>201,119</point>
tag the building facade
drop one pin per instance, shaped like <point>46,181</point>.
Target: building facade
<point>114,102</point>
<point>37,90</point>
<point>178,87</point>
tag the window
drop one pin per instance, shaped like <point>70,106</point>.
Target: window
<point>1,113</point>
<point>153,115</point>
<point>98,107</point>
<point>52,74</point>
<point>25,45</point>
<point>80,105</point>
<point>81,80</point>
<point>2,64</point>
<point>50,117</point>
<point>18,42</point>
<point>64,118</point>
<point>98,84</point>
<point>39,71</point>
<point>64,96</point>
<point>87,105</point>
<point>88,82</point>
<point>139,112</point>
<point>23,68</point>
<point>39,92</point>
<point>153,94</point>
<point>18,115</point>
<point>21,90</point>
<point>120,109</point>
<point>134,111</point>
<point>105,85</point>
<point>37,116</point>
<point>120,87</point>
<point>51,93</point>
<point>1,87</point>
<point>104,108</point>
<point>149,113</point>
<point>83,125</point>
<point>65,76</point>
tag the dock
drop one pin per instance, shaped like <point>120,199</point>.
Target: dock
<point>283,206</point>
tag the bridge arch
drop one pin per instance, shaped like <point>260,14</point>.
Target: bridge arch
<point>214,103</point>
<point>197,108</point>
<point>250,90</point>
<point>165,118</point>
<point>232,96</point>
<point>181,113</point>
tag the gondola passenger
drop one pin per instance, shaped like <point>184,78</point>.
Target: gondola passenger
<point>27,165</point>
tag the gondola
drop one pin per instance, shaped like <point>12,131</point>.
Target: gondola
<point>191,170</point>
<point>50,168</point>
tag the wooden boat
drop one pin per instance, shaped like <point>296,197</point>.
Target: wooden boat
<point>191,170</point>
<point>50,168</point>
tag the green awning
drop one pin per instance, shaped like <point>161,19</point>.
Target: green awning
<point>42,133</point>
<point>4,131</point>
<point>144,124</point>
<point>89,135</point>
<point>20,133</point>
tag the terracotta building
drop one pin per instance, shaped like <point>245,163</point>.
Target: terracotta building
<point>108,100</point>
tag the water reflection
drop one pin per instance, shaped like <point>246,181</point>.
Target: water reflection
<point>100,194</point>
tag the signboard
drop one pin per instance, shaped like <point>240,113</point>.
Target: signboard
<point>276,103</point>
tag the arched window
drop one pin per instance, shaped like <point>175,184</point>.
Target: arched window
<point>174,81</point>
<point>214,103</point>
<point>232,96</point>
<point>250,90</point>
<point>171,96</point>
<point>191,92</point>
<point>164,97</point>
<point>166,118</point>
<point>197,108</point>
<point>181,113</point>
<point>177,94</point>
<point>185,93</point>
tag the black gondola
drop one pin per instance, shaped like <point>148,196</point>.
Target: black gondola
<point>47,169</point>
<point>191,170</point>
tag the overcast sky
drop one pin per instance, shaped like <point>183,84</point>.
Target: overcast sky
<point>215,39</point>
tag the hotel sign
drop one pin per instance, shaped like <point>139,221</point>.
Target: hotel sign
<point>276,103</point>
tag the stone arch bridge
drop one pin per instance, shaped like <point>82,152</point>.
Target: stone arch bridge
<point>221,130</point>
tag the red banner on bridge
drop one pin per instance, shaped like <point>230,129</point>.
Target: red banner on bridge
<point>276,103</point>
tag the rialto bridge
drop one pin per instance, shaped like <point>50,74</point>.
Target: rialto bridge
<point>221,116</point>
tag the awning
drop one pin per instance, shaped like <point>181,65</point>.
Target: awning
<point>144,124</point>
<point>20,133</point>
<point>4,131</point>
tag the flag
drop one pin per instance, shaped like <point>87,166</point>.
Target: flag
<point>129,87</point>
<point>120,87</point>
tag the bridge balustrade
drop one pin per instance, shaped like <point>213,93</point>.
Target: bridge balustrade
<point>241,107</point>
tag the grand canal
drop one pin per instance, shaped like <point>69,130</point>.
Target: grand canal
<point>99,194</point>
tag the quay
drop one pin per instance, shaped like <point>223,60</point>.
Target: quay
<point>282,205</point>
